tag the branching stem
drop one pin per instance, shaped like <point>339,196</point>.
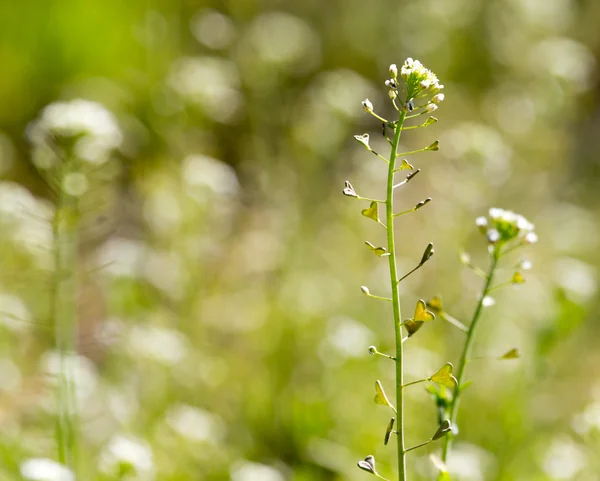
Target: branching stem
<point>467,349</point>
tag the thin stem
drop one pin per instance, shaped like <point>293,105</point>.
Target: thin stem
<point>396,299</point>
<point>455,322</point>
<point>418,446</point>
<point>370,200</point>
<point>381,157</point>
<point>467,349</point>
<point>65,227</point>
<point>408,274</point>
<point>415,382</point>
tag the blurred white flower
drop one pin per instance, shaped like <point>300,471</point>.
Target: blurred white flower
<point>92,127</point>
<point>469,462</point>
<point>196,424</point>
<point>164,345</point>
<point>128,451</point>
<point>284,39</point>
<point>213,29</point>
<point>81,370</point>
<point>122,257</point>
<point>211,83</point>
<point>201,171</point>
<point>44,469</point>
<point>348,337</point>
<point>564,459</point>
<point>248,471</point>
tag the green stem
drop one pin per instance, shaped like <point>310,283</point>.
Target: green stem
<point>467,349</point>
<point>65,229</point>
<point>389,204</point>
<point>415,382</point>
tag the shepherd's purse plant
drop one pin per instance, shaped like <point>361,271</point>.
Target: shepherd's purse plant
<point>415,91</point>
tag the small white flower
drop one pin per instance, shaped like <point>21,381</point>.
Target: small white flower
<point>531,238</point>
<point>44,469</point>
<point>391,84</point>
<point>481,221</point>
<point>394,70</point>
<point>130,451</point>
<point>431,108</point>
<point>525,264</point>
<point>436,99</point>
<point>496,213</point>
<point>493,235</point>
<point>488,301</point>
<point>367,105</point>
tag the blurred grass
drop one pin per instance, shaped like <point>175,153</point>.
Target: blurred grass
<point>238,296</point>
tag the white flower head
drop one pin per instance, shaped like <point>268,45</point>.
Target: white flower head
<point>93,130</point>
<point>394,71</point>
<point>418,78</point>
<point>507,225</point>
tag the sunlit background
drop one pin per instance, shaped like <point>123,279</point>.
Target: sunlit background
<point>222,332</point>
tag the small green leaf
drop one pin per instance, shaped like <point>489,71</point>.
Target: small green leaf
<point>412,326</point>
<point>512,354</point>
<point>379,251</point>
<point>427,254</point>
<point>444,429</point>
<point>380,396</point>
<point>388,431</point>
<point>406,165</point>
<point>444,376</point>
<point>421,312</point>
<point>518,278</point>
<point>372,212</point>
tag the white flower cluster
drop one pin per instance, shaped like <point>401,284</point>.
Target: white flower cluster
<point>505,225</point>
<point>414,73</point>
<point>93,129</point>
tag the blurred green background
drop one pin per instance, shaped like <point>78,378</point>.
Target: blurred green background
<point>223,335</point>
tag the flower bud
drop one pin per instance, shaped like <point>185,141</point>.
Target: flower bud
<point>391,84</point>
<point>482,222</point>
<point>431,108</point>
<point>394,71</point>
<point>392,94</point>
<point>436,99</point>
<point>367,105</point>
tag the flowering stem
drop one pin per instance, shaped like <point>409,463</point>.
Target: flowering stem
<point>389,204</point>
<point>65,228</point>
<point>468,347</point>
